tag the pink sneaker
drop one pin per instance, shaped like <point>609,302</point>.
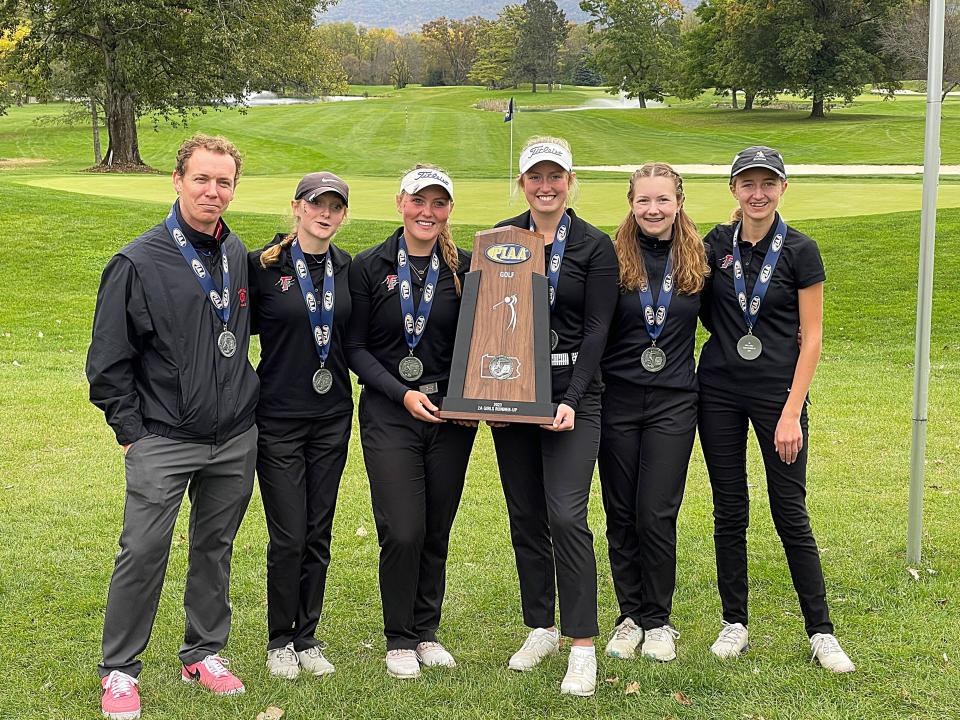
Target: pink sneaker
<point>212,675</point>
<point>121,700</point>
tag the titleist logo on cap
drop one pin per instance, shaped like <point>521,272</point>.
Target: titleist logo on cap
<point>420,178</point>
<point>546,152</point>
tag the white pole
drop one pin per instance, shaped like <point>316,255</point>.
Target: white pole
<point>928,227</point>
<point>513,119</point>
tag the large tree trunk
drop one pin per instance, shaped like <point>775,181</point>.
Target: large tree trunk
<point>124,149</point>
<point>533,84</point>
<point>748,97</point>
<point>816,111</point>
<point>733,101</point>
<point>642,100</point>
<point>95,122</point>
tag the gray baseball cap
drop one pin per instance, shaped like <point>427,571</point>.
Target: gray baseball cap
<point>318,183</point>
<point>758,156</point>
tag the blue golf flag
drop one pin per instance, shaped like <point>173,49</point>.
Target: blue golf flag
<point>509,116</point>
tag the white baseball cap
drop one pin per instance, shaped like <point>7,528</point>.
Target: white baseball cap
<point>420,178</point>
<point>546,152</point>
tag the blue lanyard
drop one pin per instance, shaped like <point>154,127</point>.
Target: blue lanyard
<point>320,314</point>
<point>556,259</point>
<point>656,319</point>
<point>219,300</point>
<point>751,311</point>
<point>413,328</point>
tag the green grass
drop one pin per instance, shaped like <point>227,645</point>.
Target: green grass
<point>61,496</point>
<point>388,133</point>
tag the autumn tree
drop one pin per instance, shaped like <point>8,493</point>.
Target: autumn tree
<point>905,35</point>
<point>454,45</point>
<point>542,33</point>
<point>165,58</point>
<point>636,45</point>
<point>497,41</point>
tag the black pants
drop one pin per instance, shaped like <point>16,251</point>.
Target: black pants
<point>645,444</point>
<point>723,420</point>
<point>299,464</point>
<point>546,479</point>
<point>416,471</point>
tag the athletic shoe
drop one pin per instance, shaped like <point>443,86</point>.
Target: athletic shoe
<point>581,677</point>
<point>403,664</point>
<point>282,662</point>
<point>659,644</point>
<point>827,651</point>
<point>433,654</point>
<point>539,644</point>
<point>732,641</point>
<point>623,643</point>
<point>211,673</point>
<point>121,699</point>
<point>313,661</point>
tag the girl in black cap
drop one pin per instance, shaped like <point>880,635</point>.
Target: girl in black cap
<point>546,471</point>
<point>650,406</point>
<point>406,299</point>
<point>301,307</point>
<point>766,286</point>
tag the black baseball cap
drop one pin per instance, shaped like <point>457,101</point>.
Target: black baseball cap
<point>758,156</point>
<point>318,183</point>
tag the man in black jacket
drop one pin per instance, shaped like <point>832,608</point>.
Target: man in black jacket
<point>168,366</point>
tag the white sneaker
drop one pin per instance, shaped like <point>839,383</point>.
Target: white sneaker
<point>732,641</point>
<point>660,644</point>
<point>540,643</point>
<point>433,654</point>
<point>623,643</point>
<point>282,662</point>
<point>827,651</point>
<point>581,677</point>
<point>313,661</point>
<point>403,664</point>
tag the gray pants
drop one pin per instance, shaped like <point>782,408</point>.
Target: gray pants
<point>219,482</point>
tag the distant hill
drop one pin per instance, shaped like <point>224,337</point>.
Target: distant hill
<point>406,15</point>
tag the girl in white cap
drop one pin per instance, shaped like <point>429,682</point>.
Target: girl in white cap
<point>546,471</point>
<point>406,300</point>
<point>301,308</point>
<point>766,284</point>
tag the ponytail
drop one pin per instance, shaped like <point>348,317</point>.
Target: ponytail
<point>271,256</point>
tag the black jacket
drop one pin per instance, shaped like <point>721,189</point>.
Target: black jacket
<point>153,363</point>
<point>586,299</point>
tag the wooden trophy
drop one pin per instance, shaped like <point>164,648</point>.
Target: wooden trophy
<point>501,356</point>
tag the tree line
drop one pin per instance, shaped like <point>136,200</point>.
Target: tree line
<point>121,60</point>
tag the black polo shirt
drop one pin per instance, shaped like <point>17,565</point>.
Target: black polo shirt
<point>288,354</point>
<point>628,336</point>
<point>771,374</point>
<point>377,342</point>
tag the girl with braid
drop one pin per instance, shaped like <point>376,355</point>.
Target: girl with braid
<point>649,403</point>
<point>406,301</point>
<point>301,308</point>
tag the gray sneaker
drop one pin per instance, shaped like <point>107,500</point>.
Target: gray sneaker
<point>313,661</point>
<point>624,640</point>
<point>540,643</point>
<point>731,642</point>
<point>827,651</point>
<point>660,644</point>
<point>283,663</point>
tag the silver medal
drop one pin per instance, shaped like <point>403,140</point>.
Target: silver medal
<point>749,347</point>
<point>322,381</point>
<point>653,359</point>
<point>554,339</point>
<point>411,368</point>
<point>227,343</point>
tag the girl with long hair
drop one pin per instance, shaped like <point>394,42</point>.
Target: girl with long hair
<point>766,286</point>
<point>406,300</point>
<point>546,471</point>
<point>301,307</point>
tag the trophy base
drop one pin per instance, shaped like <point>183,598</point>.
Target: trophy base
<point>505,411</point>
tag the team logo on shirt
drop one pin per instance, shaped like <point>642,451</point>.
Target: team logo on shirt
<point>284,282</point>
<point>404,289</point>
<point>421,324</point>
<point>328,300</point>
<point>311,302</point>
<point>661,314</point>
<point>777,243</point>
<point>242,294</point>
<point>198,268</point>
<point>428,292</point>
<point>178,236</point>
<point>727,262</point>
<point>215,299</point>
<point>765,273</point>
<point>301,269</point>
<point>391,282</point>
<point>408,323</point>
